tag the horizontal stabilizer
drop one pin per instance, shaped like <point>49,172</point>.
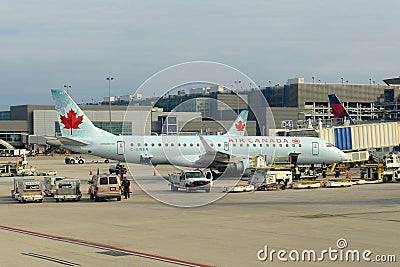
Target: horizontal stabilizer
<point>71,142</point>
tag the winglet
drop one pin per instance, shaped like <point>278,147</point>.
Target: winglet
<point>239,126</point>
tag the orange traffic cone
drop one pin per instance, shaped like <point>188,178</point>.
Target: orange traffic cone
<point>88,190</point>
<point>154,172</point>
<point>90,172</point>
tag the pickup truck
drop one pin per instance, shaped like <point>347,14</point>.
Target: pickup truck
<point>191,180</point>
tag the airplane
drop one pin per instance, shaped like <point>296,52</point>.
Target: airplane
<point>338,110</point>
<point>212,151</point>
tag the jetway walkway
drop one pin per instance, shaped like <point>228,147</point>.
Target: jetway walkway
<point>356,140</point>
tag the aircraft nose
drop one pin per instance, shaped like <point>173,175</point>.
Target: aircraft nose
<point>343,156</point>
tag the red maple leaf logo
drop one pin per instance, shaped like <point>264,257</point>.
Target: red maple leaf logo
<point>296,141</point>
<point>240,126</point>
<point>71,121</point>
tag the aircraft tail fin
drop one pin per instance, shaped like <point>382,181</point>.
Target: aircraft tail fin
<point>338,110</point>
<point>239,126</point>
<point>73,122</point>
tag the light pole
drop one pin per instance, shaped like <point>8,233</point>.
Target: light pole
<point>67,87</point>
<point>237,82</point>
<point>109,79</point>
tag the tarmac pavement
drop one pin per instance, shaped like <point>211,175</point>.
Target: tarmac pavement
<point>232,231</point>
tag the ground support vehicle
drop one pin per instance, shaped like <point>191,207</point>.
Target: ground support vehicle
<point>305,184</point>
<point>239,188</point>
<point>191,181</point>
<point>47,173</point>
<point>271,179</point>
<point>27,189</point>
<point>331,183</point>
<point>68,189</point>
<point>74,160</point>
<point>391,168</point>
<point>50,185</point>
<point>8,169</point>
<point>104,186</point>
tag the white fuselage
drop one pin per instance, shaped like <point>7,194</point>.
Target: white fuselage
<point>187,150</point>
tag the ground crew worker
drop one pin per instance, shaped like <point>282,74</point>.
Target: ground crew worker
<point>324,168</point>
<point>337,171</point>
<point>297,172</point>
<point>126,184</point>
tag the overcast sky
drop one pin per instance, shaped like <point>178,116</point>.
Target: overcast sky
<point>45,44</point>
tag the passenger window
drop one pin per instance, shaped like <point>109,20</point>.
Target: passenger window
<point>159,144</point>
<point>254,145</point>
<point>166,144</point>
<point>145,144</point>
<point>131,144</point>
<point>198,144</point>
<point>172,144</point>
<point>299,145</point>
<point>260,145</point>
<point>191,144</point>
<point>184,144</point>
<point>138,144</point>
<point>280,145</point>
<point>234,145</point>
<point>219,145</point>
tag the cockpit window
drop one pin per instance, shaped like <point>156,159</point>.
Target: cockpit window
<point>329,145</point>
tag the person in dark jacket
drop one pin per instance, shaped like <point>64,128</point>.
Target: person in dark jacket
<point>126,184</point>
<point>324,168</point>
<point>337,171</point>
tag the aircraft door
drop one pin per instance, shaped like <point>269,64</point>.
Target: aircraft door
<point>226,146</point>
<point>315,148</point>
<point>120,147</point>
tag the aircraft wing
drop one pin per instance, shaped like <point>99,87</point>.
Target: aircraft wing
<point>215,158</point>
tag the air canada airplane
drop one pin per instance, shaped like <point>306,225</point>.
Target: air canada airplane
<point>231,150</point>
